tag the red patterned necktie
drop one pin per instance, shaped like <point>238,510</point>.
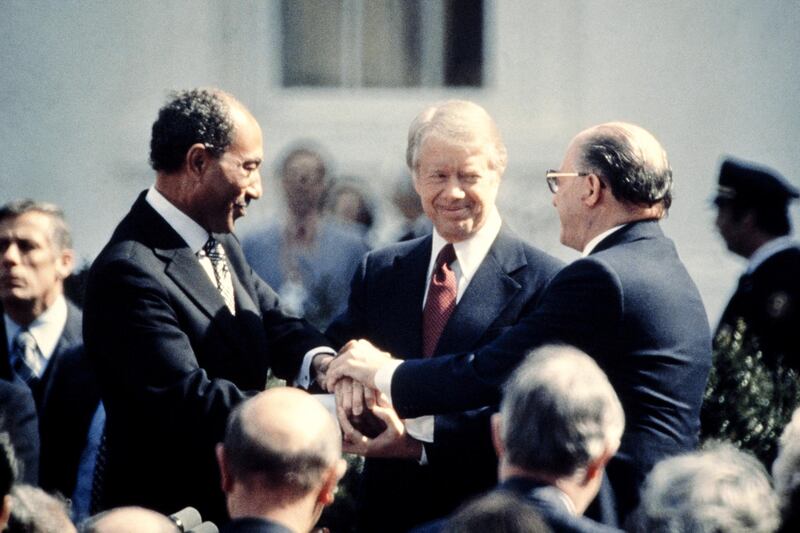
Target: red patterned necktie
<point>441,300</point>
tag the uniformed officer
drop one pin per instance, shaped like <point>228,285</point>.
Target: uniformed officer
<point>754,384</point>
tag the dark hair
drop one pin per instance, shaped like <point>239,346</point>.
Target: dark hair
<point>59,232</point>
<point>635,174</point>
<point>190,117</point>
<point>296,472</point>
<point>498,511</point>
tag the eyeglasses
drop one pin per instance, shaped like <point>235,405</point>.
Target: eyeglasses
<point>552,178</point>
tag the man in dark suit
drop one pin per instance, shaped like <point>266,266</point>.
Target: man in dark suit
<point>756,372</point>
<point>280,462</point>
<point>43,347</point>
<point>177,324</point>
<point>457,157</point>
<point>559,423</point>
<point>629,303</point>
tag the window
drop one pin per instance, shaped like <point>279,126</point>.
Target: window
<point>382,43</point>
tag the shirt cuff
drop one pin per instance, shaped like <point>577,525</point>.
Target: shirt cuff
<point>383,377</point>
<point>303,378</point>
<point>420,428</point>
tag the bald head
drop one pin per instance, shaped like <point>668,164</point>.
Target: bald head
<point>130,520</point>
<point>282,438</point>
<point>629,159</point>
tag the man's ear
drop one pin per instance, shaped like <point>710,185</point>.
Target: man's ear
<point>497,439</point>
<point>5,511</point>
<point>327,492</point>
<point>197,157</point>
<point>65,262</point>
<point>596,466</point>
<point>224,473</point>
<point>593,189</point>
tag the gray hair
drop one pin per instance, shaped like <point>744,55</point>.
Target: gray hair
<point>559,412</point>
<point>717,490</point>
<point>786,468</point>
<point>35,511</point>
<point>456,120</point>
<point>631,160</point>
<point>60,235</point>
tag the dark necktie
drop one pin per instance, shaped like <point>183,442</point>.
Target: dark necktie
<point>440,302</point>
<point>216,254</point>
<point>26,360</point>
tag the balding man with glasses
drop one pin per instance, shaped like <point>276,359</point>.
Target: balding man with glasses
<point>629,303</point>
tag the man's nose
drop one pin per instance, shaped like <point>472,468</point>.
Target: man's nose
<point>254,191</point>
<point>453,187</point>
<point>9,254</point>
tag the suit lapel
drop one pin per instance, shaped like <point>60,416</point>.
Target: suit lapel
<point>408,290</point>
<point>489,292</point>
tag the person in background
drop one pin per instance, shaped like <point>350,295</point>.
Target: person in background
<point>786,475</point>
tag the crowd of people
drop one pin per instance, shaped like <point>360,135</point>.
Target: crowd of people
<point>488,386</point>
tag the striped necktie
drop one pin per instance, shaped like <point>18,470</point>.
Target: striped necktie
<point>26,359</point>
<point>216,254</point>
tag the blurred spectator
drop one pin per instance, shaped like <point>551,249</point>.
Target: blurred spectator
<point>717,490</point>
<point>786,474</point>
<point>129,520</point>
<point>308,260</point>
<point>406,200</point>
<point>19,422</point>
<point>499,512</point>
<point>350,202</point>
<point>43,345</point>
<point>280,462</point>
<point>756,370</point>
<point>35,511</point>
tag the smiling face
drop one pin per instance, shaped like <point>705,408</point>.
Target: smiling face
<point>232,180</point>
<point>32,268</point>
<point>457,184</point>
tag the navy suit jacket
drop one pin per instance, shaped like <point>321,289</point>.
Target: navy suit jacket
<point>66,396</point>
<point>385,307</point>
<point>18,418</point>
<point>172,361</point>
<point>633,307</point>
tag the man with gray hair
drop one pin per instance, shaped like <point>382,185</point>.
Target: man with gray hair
<point>41,345</point>
<point>280,462</point>
<point>450,291</point>
<point>628,302</point>
<point>720,489</point>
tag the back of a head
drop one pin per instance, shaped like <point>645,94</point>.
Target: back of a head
<point>129,520</point>
<point>786,471</point>
<point>282,441</point>
<point>498,512</point>
<point>35,511</point>
<point>717,490</point>
<point>559,412</point>
<point>631,160</point>
<point>459,121</point>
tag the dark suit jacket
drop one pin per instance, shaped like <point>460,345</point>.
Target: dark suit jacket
<point>633,307</point>
<point>548,502</point>
<point>18,418</point>
<point>386,307</point>
<point>66,398</point>
<point>254,525</point>
<point>172,361</point>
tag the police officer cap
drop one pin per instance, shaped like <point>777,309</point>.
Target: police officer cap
<point>746,183</point>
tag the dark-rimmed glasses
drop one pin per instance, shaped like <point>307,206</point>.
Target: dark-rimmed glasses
<point>552,178</point>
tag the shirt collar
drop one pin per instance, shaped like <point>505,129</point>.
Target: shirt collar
<point>190,231</point>
<point>46,329</point>
<point>767,250</point>
<point>471,252</point>
<point>591,245</point>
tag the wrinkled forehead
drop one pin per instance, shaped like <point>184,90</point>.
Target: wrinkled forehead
<point>31,224</point>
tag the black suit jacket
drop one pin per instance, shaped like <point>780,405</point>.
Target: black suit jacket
<point>67,396</point>
<point>633,307</point>
<point>18,418</point>
<point>172,361</point>
<point>385,307</point>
